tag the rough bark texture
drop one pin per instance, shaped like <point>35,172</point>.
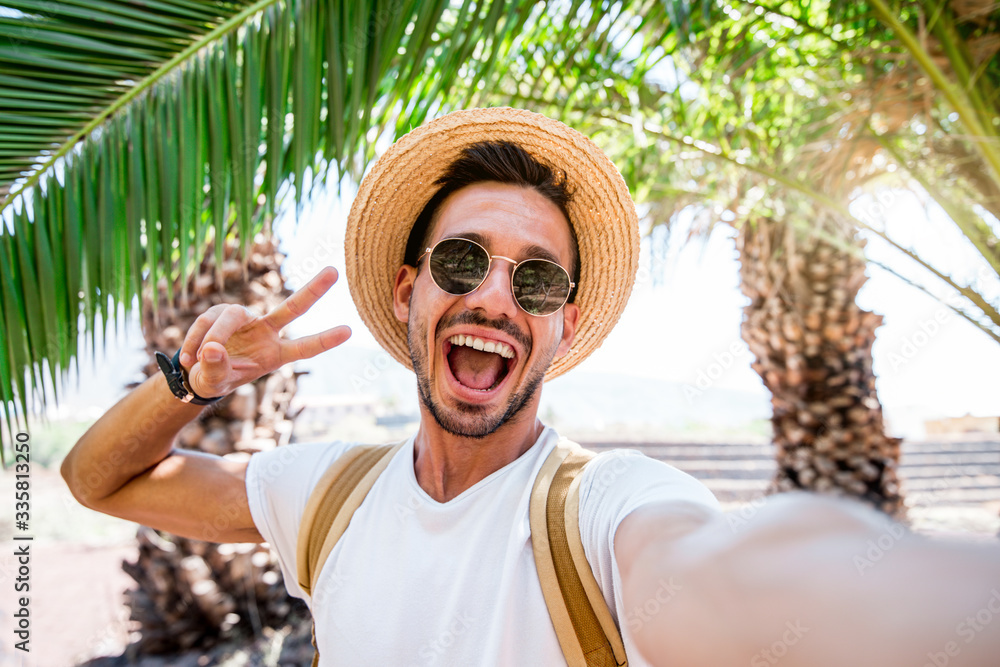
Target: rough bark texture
<point>813,348</point>
<point>192,593</point>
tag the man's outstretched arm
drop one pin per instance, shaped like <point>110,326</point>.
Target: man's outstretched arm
<point>125,464</point>
<point>806,582</point>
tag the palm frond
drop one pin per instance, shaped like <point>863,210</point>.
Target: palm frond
<point>73,64</point>
<point>135,136</point>
<point>797,105</point>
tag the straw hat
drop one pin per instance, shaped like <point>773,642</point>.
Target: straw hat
<point>396,189</point>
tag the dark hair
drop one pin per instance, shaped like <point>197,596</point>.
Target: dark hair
<point>498,162</point>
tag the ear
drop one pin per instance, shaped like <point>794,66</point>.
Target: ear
<point>571,317</point>
<point>402,290</point>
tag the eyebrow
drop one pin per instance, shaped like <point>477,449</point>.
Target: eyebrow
<point>530,251</point>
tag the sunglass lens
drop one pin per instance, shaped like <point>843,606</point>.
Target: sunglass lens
<point>458,266</point>
<point>541,287</point>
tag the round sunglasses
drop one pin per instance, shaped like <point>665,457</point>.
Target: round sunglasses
<point>460,266</point>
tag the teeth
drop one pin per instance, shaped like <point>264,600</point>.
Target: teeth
<point>504,350</point>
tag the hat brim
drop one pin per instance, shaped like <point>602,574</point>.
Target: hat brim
<point>402,181</point>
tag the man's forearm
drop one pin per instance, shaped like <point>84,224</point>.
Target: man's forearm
<point>812,582</point>
<point>133,436</point>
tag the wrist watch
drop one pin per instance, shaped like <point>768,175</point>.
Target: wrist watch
<point>178,382</point>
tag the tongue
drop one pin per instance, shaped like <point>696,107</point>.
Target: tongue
<point>475,369</point>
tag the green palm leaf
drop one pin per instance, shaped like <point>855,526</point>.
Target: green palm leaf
<point>134,136</point>
<point>798,105</point>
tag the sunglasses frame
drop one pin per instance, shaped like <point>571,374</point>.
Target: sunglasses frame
<point>428,251</point>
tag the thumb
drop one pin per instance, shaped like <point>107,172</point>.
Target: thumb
<point>209,375</point>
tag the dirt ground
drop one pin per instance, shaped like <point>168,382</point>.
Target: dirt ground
<point>76,604</point>
<point>76,581</point>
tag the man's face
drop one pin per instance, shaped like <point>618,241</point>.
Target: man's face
<point>467,391</point>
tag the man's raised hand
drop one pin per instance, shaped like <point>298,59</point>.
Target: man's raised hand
<point>228,346</point>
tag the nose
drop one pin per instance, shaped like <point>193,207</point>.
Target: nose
<point>494,296</point>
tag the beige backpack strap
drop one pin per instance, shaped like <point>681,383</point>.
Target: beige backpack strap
<point>586,630</point>
<point>332,503</point>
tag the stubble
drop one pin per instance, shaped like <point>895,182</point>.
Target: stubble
<point>467,420</point>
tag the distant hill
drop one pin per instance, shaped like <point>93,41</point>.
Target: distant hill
<point>602,401</point>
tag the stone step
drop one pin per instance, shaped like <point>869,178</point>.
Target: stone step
<point>716,467</point>
<point>965,451</point>
<point>713,465</point>
<point>932,485</point>
<point>949,459</point>
<point>933,473</point>
<point>765,467</point>
<point>922,486</point>
<point>969,445</point>
<point>953,497</point>
<point>688,451</point>
<point>947,471</point>
<point>678,452</point>
<point>736,485</point>
<point>734,490</point>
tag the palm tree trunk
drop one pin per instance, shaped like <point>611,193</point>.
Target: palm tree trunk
<point>813,348</point>
<point>192,593</point>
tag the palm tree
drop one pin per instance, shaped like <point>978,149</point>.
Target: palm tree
<point>866,113</point>
<point>766,110</point>
<point>190,593</point>
<point>813,349</point>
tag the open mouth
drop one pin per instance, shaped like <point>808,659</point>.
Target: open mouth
<point>478,364</point>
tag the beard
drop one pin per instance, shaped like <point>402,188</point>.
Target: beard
<point>474,421</point>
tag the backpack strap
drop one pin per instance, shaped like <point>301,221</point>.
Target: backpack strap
<point>584,626</point>
<point>586,630</point>
<point>332,503</point>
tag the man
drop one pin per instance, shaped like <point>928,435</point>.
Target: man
<point>491,249</point>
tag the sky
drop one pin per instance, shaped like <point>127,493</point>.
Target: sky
<point>682,322</point>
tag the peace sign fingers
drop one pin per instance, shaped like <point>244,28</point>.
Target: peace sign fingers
<point>309,346</point>
<point>302,300</point>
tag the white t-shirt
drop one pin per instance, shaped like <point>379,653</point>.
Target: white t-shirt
<point>416,582</point>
